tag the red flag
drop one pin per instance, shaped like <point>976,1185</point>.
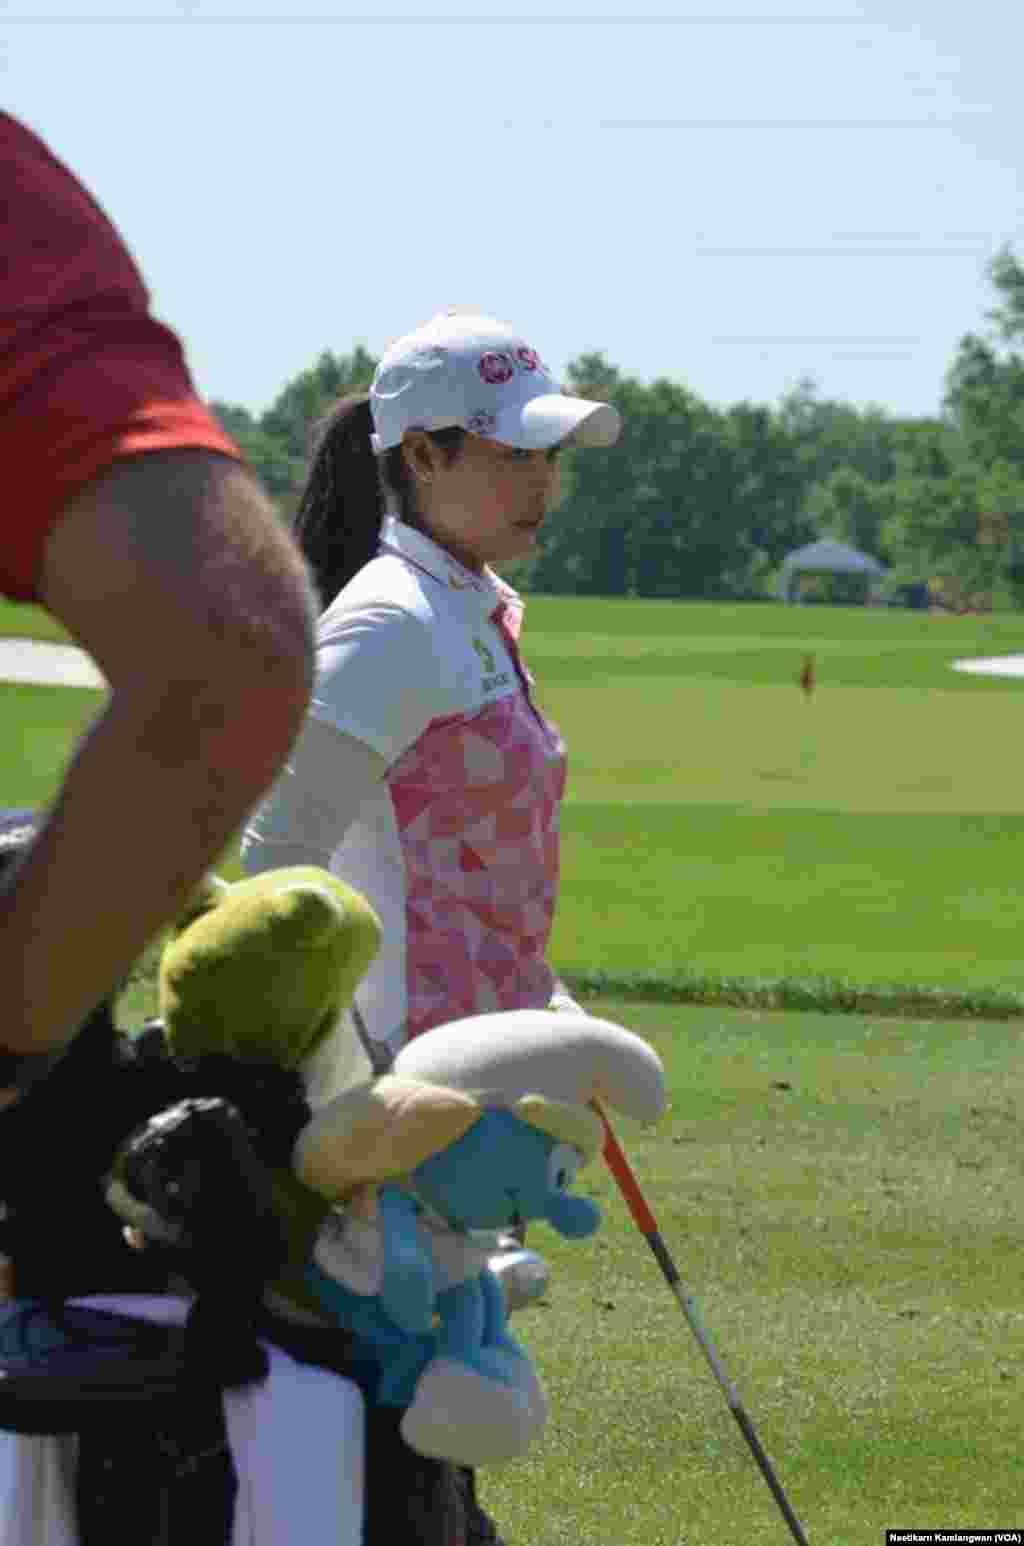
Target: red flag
<point>807,675</point>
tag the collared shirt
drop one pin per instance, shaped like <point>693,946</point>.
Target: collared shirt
<point>458,848</point>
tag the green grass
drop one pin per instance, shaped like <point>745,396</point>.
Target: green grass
<point>734,889</point>
<point>843,1199</point>
<point>841,1193</point>
<point>22,622</point>
<point>719,823</point>
<point>40,725</point>
<point>720,826</point>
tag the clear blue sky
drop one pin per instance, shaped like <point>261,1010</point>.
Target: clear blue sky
<point>731,200</point>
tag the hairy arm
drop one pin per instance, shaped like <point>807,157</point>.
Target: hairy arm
<point>174,573</point>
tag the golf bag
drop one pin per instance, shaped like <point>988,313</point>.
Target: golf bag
<point>146,1401</point>
<point>140,1406</point>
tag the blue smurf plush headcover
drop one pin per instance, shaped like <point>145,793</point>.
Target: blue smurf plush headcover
<point>469,1191</point>
<point>453,1088</point>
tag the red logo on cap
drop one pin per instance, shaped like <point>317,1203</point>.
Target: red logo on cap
<point>495,368</point>
<point>529,359</point>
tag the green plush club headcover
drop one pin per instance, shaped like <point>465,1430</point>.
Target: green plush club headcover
<point>261,969</point>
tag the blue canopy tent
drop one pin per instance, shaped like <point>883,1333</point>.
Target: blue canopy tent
<point>826,555</point>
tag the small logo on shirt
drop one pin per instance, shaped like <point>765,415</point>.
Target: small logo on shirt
<point>492,678</point>
<point>485,656</point>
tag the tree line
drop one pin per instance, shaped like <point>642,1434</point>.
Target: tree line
<point>697,501</point>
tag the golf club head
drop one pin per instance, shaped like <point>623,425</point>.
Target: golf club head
<point>523,1275</point>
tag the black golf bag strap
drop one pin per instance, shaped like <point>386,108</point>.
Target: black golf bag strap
<point>167,1481</point>
<point>65,1366</point>
<point>21,1070</point>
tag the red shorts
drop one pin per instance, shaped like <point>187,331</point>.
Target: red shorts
<point>87,375</point>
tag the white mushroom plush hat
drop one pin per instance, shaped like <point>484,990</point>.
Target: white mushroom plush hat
<point>544,1066</point>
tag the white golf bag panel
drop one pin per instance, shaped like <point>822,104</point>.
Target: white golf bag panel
<point>297,1445</point>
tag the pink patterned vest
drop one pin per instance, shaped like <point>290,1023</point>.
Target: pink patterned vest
<point>477,804</point>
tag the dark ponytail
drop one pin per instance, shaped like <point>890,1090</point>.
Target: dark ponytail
<point>337,524</point>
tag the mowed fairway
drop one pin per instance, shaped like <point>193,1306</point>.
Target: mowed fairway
<point>38,725</point>
<point>842,1195</point>
<point>720,821</point>
<point>717,820</point>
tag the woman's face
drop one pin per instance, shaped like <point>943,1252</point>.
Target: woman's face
<point>489,503</point>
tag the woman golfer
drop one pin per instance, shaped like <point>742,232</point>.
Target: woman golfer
<point>426,774</point>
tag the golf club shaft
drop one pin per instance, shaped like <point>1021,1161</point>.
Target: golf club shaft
<point>645,1221</point>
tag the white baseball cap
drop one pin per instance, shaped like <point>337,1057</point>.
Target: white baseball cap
<point>464,369</point>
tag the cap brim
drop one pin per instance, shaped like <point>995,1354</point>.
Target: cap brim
<point>551,419</point>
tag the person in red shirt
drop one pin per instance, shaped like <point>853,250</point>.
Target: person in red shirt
<point>129,516</point>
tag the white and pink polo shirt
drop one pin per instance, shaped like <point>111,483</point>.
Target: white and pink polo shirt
<point>457,849</point>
